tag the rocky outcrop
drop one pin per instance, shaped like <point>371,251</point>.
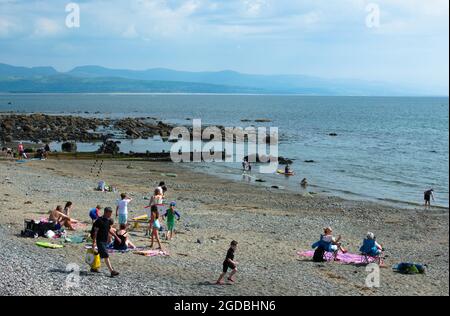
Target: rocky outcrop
<point>47,128</point>
<point>264,159</point>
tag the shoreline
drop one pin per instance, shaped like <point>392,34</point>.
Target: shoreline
<point>332,193</point>
<point>322,192</point>
<point>271,226</point>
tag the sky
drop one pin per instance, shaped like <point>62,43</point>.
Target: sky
<point>405,42</point>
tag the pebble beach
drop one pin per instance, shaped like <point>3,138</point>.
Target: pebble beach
<point>271,226</point>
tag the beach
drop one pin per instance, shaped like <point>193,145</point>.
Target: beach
<point>271,226</point>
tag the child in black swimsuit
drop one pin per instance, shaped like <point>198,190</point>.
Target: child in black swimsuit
<point>229,263</point>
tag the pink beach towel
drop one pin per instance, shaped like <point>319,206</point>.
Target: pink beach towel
<point>347,258</point>
<point>112,250</point>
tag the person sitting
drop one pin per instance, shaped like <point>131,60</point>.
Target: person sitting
<point>101,186</point>
<point>329,243</point>
<point>60,219</point>
<point>124,243</point>
<point>370,246</point>
<point>287,170</point>
<point>67,210</point>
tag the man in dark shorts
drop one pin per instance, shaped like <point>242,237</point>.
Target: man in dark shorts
<point>101,230</point>
<point>428,196</point>
<point>229,263</point>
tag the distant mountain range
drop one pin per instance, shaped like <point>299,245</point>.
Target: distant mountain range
<point>95,79</point>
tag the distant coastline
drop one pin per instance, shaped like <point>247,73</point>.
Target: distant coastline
<point>96,79</point>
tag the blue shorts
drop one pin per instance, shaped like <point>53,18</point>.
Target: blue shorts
<point>123,219</point>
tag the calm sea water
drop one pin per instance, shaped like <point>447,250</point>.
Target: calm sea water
<point>387,149</point>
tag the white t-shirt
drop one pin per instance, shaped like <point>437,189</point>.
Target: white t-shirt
<point>123,206</point>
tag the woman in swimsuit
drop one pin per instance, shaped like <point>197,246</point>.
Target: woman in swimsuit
<point>155,226</point>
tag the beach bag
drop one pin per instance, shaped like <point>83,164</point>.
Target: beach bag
<point>29,229</point>
<point>319,255</point>
<point>410,268</point>
<point>43,227</point>
<point>28,233</point>
<point>93,259</point>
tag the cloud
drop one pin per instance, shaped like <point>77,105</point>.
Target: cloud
<point>273,36</point>
<point>6,27</point>
<point>45,27</point>
<point>254,7</point>
<point>205,18</point>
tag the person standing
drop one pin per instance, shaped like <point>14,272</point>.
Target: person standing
<point>122,209</point>
<point>21,151</point>
<point>101,230</point>
<point>428,196</point>
<point>154,227</point>
<point>170,215</point>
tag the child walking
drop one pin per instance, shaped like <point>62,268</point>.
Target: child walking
<point>154,227</point>
<point>170,216</point>
<point>229,263</point>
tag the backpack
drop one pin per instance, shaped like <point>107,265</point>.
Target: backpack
<point>410,268</point>
<point>319,255</point>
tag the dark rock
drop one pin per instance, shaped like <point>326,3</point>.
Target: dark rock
<point>109,147</point>
<point>285,161</point>
<point>69,147</point>
<point>333,134</point>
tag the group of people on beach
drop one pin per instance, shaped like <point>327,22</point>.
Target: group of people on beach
<point>104,234</point>
<point>61,217</point>
<point>21,153</point>
<point>328,243</point>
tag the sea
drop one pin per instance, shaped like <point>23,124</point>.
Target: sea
<point>387,149</point>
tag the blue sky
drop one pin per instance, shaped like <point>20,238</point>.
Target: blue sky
<point>325,38</point>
